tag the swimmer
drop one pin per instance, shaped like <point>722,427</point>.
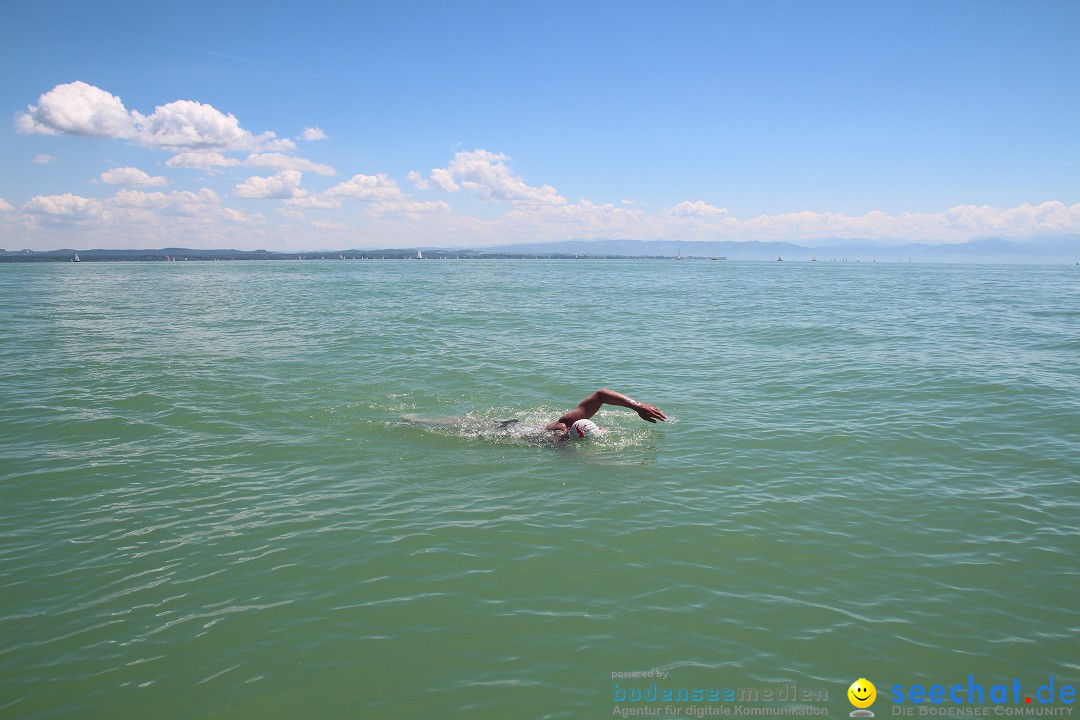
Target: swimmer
<point>577,425</point>
<point>574,424</point>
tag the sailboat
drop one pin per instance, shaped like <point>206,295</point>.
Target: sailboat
<point>813,258</point>
<point>779,257</point>
<point>76,258</point>
<point>419,255</point>
<point>715,255</point>
<point>678,253</point>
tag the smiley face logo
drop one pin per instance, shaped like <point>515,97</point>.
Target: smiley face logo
<point>862,693</point>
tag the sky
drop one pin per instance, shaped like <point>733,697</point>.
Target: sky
<point>326,125</point>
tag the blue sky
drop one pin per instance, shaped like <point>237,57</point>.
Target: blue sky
<point>333,124</point>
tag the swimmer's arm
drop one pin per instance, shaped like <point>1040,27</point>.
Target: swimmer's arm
<point>590,405</point>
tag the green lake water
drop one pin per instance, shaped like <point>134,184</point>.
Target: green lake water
<point>211,507</point>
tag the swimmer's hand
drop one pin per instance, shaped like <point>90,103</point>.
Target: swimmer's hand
<point>649,413</point>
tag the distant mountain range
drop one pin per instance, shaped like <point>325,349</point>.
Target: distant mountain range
<point>1054,250</point>
<point>1051,250</point>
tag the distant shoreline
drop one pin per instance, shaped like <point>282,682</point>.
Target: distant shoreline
<point>106,256</point>
<point>182,255</point>
<point>1057,250</point>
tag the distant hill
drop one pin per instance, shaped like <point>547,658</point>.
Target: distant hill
<point>1061,249</point>
<point>1051,250</point>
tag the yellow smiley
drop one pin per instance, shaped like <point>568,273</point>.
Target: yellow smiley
<point>862,693</point>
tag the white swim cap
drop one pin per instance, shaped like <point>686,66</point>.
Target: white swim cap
<point>585,429</point>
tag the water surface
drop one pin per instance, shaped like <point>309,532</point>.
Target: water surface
<point>211,506</point>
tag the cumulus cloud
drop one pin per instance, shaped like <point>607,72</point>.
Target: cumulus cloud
<point>373,188</point>
<point>277,161</point>
<point>385,199</point>
<point>66,205</point>
<point>185,124</point>
<point>487,175</point>
<point>138,199</point>
<point>191,219</point>
<point>440,179</point>
<point>956,224</point>
<point>313,202</point>
<point>131,176</point>
<point>78,108</point>
<point>283,185</point>
<point>239,218</point>
<point>181,202</point>
<point>408,207</point>
<point>67,211</point>
<point>699,209</point>
<point>43,159</point>
<point>1024,219</point>
<point>581,219</point>
<point>207,161</point>
<point>202,138</point>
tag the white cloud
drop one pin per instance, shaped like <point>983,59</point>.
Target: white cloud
<point>956,224</point>
<point>207,161</point>
<point>197,218</point>
<point>487,175</point>
<point>77,109</point>
<point>312,134</point>
<point>277,161</point>
<point>81,109</point>
<point>235,216</point>
<point>285,184</point>
<point>699,209</point>
<point>43,159</point>
<point>131,217</point>
<point>374,188</point>
<point>1024,219</point>
<point>385,197</point>
<point>66,205</point>
<point>147,206</point>
<point>440,179</point>
<point>291,213</point>
<point>581,219</point>
<point>408,207</point>
<point>131,176</point>
<point>138,199</point>
<point>185,124</point>
<point>313,202</point>
<point>203,138</point>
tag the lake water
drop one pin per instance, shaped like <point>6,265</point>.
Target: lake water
<point>212,508</point>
